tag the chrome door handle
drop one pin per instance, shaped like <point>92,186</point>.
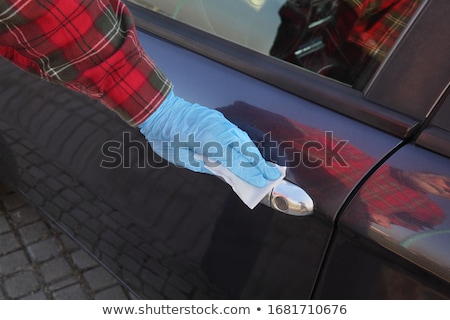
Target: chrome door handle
<point>289,198</point>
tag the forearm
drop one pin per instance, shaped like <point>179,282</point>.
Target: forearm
<point>89,46</point>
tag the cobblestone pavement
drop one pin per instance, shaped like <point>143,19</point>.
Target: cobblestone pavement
<point>39,262</point>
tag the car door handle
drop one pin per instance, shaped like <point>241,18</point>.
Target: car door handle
<point>290,199</point>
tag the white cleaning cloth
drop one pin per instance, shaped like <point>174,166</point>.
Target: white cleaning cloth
<point>248,193</point>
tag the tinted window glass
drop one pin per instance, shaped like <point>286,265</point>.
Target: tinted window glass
<point>342,39</point>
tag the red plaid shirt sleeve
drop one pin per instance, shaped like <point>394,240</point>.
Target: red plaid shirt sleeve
<point>90,46</point>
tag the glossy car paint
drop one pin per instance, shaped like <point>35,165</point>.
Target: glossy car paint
<point>194,223</point>
<point>406,255</point>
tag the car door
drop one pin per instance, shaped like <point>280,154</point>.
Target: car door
<point>166,232</point>
<point>398,249</point>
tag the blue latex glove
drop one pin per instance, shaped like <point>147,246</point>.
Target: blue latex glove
<point>179,129</point>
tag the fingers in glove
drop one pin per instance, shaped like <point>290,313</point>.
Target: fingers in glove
<point>181,157</point>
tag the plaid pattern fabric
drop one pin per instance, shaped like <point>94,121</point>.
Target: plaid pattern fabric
<point>386,194</point>
<point>350,45</point>
<point>89,46</point>
<point>377,24</point>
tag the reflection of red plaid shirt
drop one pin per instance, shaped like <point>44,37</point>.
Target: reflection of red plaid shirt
<point>384,194</point>
<point>355,40</point>
<point>89,46</point>
<point>374,25</point>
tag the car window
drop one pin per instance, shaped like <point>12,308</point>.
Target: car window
<point>346,40</point>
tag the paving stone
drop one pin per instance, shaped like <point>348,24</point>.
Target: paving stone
<point>13,262</point>
<point>24,234</point>
<point>24,216</point>
<point>75,292</point>
<point>68,243</point>
<point>43,250</point>
<point>131,279</point>
<point>53,183</point>
<point>4,225</point>
<point>130,263</point>
<point>114,293</point>
<point>8,243</point>
<point>63,283</point>
<point>37,172</point>
<point>35,296</point>
<point>99,278</point>
<point>109,250</point>
<point>21,285</point>
<point>157,268</point>
<point>156,281</point>
<point>55,269</point>
<point>83,260</point>
<point>36,197</point>
<point>34,232</point>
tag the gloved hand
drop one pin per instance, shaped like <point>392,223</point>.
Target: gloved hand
<point>178,129</point>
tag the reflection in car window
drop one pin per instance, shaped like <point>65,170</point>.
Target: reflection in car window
<point>342,39</point>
